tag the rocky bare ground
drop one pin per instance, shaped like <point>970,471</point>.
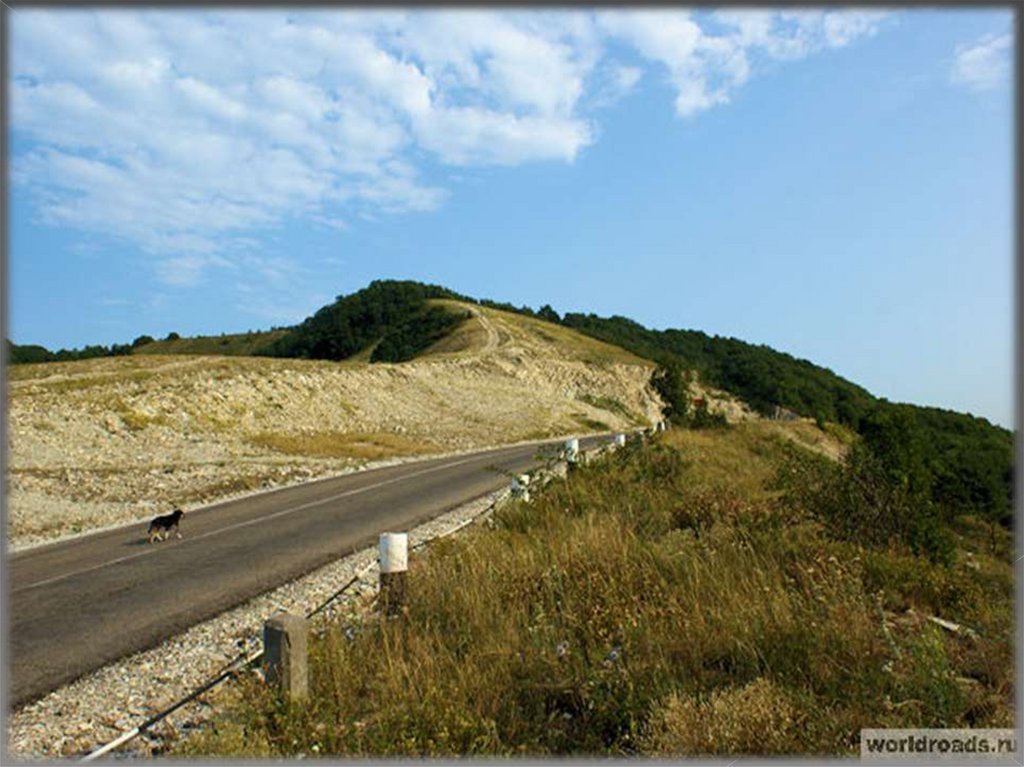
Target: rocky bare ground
<point>111,441</point>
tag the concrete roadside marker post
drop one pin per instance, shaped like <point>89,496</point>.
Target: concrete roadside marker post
<point>572,452</point>
<point>521,487</point>
<point>285,654</point>
<point>394,564</point>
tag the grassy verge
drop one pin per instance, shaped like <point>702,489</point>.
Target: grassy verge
<point>670,600</point>
<point>364,446</point>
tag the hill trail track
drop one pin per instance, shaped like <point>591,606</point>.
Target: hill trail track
<point>493,337</point>
<point>114,440</point>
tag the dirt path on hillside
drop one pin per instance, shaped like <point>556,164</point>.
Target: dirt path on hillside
<point>493,337</point>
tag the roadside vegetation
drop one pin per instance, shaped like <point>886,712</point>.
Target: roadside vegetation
<point>701,594</point>
<point>961,462</point>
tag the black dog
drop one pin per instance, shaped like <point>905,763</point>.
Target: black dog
<point>162,527</point>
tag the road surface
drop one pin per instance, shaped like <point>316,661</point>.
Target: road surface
<point>77,605</point>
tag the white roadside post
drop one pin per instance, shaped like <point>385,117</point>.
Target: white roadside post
<point>285,654</point>
<point>394,562</point>
<point>521,487</point>
<point>572,452</point>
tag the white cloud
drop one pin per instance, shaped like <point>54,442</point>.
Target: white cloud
<point>612,81</point>
<point>707,63</point>
<point>984,64</point>
<point>209,99</point>
<point>475,136</point>
<point>189,133</point>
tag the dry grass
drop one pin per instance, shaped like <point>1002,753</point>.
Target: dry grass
<point>54,371</point>
<point>758,718</point>
<point>520,331</point>
<point>63,383</point>
<point>575,345</point>
<point>744,459</point>
<point>468,337</point>
<point>633,610</point>
<point>331,444</point>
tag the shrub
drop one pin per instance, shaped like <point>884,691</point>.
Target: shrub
<point>861,501</point>
<point>757,718</point>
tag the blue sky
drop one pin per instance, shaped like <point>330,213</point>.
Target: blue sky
<point>837,184</point>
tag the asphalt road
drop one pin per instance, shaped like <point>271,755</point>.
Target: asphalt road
<point>77,605</point>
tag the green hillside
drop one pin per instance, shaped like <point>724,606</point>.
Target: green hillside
<point>954,460</point>
<point>394,318</point>
<point>760,375</point>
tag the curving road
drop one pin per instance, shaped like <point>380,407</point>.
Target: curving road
<point>77,605</point>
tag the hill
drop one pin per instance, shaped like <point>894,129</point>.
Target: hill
<point>111,439</point>
<point>959,461</point>
<point>613,614</point>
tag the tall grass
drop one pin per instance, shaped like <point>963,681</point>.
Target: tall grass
<point>646,605</point>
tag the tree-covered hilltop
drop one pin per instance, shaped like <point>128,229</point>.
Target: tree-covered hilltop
<point>393,317</point>
<point>761,376</point>
<point>954,461</point>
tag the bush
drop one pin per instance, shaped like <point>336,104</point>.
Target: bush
<point>863,502</point>
<point>28,353</point>
<point>758,718</point>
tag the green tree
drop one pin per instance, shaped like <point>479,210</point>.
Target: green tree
<point>549,314</point>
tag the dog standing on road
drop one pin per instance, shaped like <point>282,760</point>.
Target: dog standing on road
<point>162,527</point>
